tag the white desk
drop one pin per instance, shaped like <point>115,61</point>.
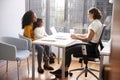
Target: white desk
<point>61,40</point>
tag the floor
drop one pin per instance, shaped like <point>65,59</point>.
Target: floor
<point>12,71</point>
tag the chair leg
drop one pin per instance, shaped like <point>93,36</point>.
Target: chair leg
<point>94,70</point>
<point>76,70</point>
<point>85,71</point>
<point>80,74</point>
<point>18,69</point>
<point>7,66</point>
<point>28,65</point>
<point>58,55</point>
<point>93,74</point>
<point>81,61</point>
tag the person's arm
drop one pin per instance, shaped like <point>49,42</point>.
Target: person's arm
<point>85,38</point>
<point>81,35</point>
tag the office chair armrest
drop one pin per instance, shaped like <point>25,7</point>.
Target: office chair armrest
<point>21,44</point>
<point>28,40</point>
<point>7,51</point>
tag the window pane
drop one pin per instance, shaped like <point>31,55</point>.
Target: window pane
<point>72,14</point>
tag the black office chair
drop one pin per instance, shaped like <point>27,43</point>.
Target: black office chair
<point>91,57</point>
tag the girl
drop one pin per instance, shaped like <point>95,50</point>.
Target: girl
<point>39,30</point>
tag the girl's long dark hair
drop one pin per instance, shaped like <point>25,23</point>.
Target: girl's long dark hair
<point>35,24</point>
<point>27,18</point>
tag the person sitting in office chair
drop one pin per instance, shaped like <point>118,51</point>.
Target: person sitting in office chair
<point>27,24</point>
<point>39,32</point>
<point>92,37</point>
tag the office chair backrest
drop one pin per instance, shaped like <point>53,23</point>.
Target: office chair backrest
<point>97,53</point>
<point>100,41</point>
<point>11,40</point>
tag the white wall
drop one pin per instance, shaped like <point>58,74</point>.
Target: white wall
<point>11,12</point>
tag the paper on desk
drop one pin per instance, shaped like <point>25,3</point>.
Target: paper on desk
<point>48,39</point>
<point>60,37</point>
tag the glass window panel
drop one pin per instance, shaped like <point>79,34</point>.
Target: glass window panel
<point>67,14</point>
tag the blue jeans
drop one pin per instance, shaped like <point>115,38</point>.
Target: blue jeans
<point>40,51</point>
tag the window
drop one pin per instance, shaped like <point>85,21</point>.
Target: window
<point>71,14</point>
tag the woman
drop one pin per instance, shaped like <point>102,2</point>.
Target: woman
<point>93,35</point>
<point>27,24</point>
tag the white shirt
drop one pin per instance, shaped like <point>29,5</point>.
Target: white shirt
<point>96,26</point>
<point>39,32</point>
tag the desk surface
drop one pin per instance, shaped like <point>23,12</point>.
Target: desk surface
<point>60,40</point>
<point>64,40</point>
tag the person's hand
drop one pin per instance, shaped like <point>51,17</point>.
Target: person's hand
<point>73,36</point>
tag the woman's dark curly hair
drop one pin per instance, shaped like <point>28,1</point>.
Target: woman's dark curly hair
<point>27,18</point>
<point>96,13</point>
